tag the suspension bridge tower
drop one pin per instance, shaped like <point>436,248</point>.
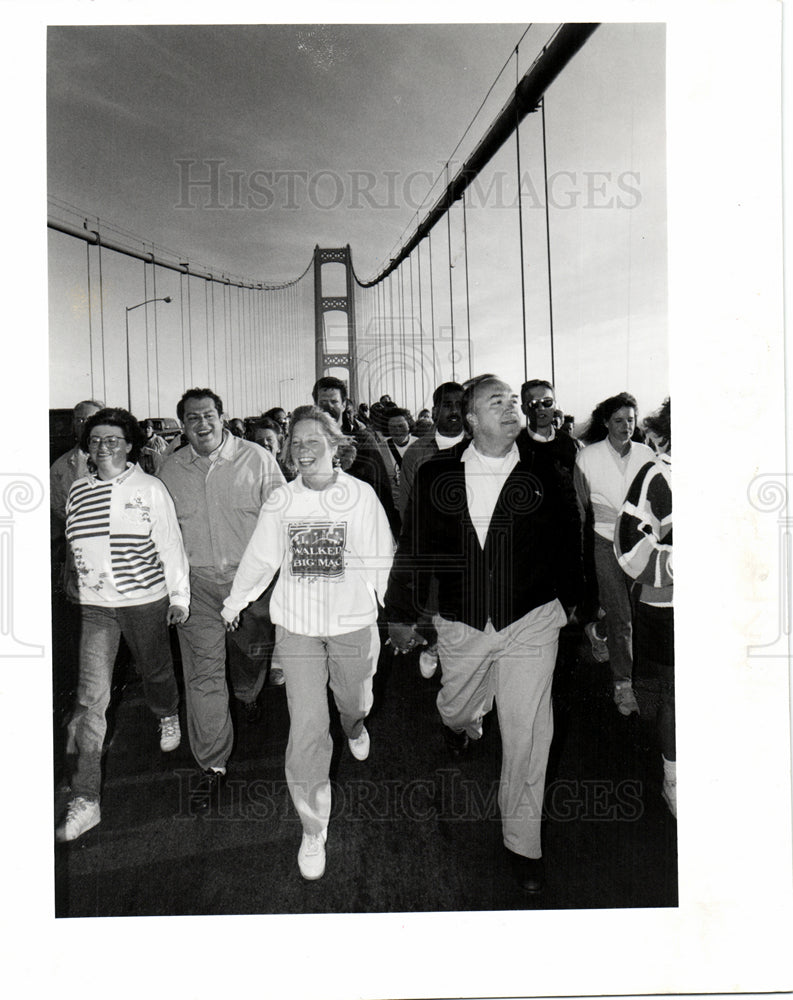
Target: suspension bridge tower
<point>335,345</point>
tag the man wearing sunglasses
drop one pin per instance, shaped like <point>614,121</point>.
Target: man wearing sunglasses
<point>538,402</point>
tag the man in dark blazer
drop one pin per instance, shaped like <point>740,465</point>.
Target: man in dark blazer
<point>497,527</point>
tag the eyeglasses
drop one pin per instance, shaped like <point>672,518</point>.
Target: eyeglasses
<point>546,402</point>
<point>111,443</point>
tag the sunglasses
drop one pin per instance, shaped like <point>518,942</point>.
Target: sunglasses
<point>546,403</point>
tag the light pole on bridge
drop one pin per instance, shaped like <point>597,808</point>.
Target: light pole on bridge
<point>129,309</point>
<point>281,382</point>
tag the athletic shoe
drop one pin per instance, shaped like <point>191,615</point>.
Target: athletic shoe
<point>428,662</point>
<point>669,794</point>
<point>205,796</point>
<point>81,815</point>
<point>170,733</point>
<point>311,856</point>
<point>456,742</point>
<point>359,747</point>
<point>625,699</point>
<point>600,649</point>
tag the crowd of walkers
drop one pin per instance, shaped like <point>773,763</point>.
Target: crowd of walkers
<point>287,548</point>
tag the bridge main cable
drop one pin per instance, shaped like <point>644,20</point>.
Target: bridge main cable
<point>94,238</point>
<point>553,58</point>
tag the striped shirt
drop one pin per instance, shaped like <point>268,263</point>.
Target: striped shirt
<point>124,541</point>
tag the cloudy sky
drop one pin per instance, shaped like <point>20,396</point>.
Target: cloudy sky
<point>336,134</point>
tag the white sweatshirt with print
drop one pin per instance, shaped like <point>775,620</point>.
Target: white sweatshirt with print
<point>334,549</point>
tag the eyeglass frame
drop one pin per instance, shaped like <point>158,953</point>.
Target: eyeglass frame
<point>96,442</point>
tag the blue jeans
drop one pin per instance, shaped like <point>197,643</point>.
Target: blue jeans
<point>614,587</point>
<point>146,633</point>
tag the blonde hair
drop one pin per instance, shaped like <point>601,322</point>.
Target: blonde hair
<point>327,425</point>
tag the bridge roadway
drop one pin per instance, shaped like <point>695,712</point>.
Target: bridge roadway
<point>411,830</point>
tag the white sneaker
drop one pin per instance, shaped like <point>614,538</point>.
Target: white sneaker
<point>311,856</point>
<point>170,733</point>
<point>81,815</point>
<point>360,748</point>
<point>428,662</point>
<point>669,794</point>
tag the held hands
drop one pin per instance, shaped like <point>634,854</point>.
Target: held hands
<point>176,615</point>
<point>232,626</point>
<point>404,638</point>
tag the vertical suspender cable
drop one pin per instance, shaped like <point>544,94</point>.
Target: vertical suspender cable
<point>451,289</point>
<point>146,332</point>
<point>413,336</point>
<point>548,239</point>
<point>234,346</point>
<point>102,317</point>
<point>90,329</point>
<point>190,327</point>
<point>244,354</point>
<point>389,388</point>
<point>156,335</point>
<point>226,340</point>
<point>206,330</point>
<point>402,347</point>
<point>214,342</point>
<point>421,321</point>
<point>253,308</point>
<point>432,316</point>
<point>520,234</point>
<point>467,296</point>
<point>181,316</point>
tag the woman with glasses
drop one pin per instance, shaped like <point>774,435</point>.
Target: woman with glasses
<point>329,536</point>
<point>130,576</point>
<point>603,472</point>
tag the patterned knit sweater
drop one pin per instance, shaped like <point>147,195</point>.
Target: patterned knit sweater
<point>125,543</point>
<point>643,535</point>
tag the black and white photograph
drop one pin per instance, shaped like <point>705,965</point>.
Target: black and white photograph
<point>343,590</point>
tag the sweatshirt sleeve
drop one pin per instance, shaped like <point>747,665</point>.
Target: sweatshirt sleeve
<point>167,539</point>
<point>377,543</point>
<point>261,559</point>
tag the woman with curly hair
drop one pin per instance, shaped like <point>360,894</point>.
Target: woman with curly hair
<point>329,536</point>
<point>129,574</point>
<point>603,472</point>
